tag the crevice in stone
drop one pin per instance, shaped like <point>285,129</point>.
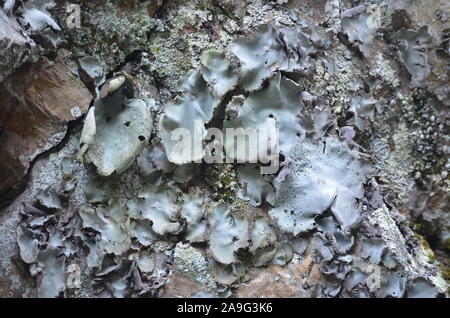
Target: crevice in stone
<point>9,195</point>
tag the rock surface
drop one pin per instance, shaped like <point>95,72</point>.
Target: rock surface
<point>15,45</point>
<point>362,85</point>
<point>38,101</point>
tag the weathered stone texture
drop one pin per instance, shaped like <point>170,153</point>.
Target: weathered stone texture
<point>37,103</point>
<point>14,45</point>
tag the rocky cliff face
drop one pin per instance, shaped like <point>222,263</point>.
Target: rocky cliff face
<point>97,202</point>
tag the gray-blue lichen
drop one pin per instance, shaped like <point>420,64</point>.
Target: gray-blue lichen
<point>116,128</point>
<point>147,213</point>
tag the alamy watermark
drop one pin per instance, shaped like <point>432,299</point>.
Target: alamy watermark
<point>231,145</point>
<point>73,276</point>
<point>373,272</point>
<point>74,18</point>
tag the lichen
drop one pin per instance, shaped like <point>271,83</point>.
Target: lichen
<point>115,130</point>
<point>321,176</point>
<point>134,225</point>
